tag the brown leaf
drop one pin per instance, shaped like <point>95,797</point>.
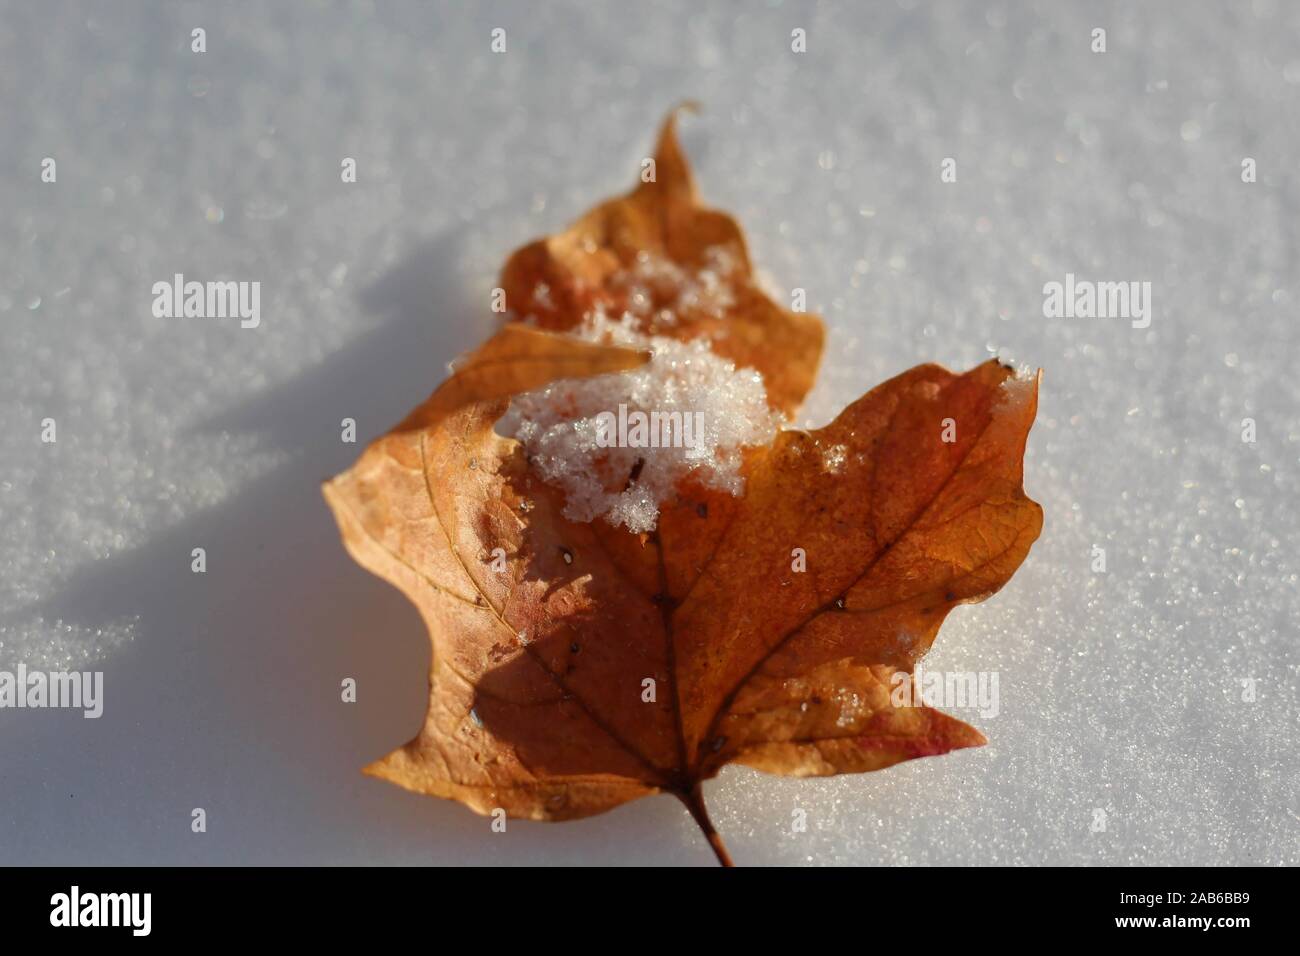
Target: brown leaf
<point>582,267</point>
<point>425,507</point>
<point>548,633</point>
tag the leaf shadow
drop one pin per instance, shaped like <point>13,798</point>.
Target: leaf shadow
<point>582,664</point>
<point>228,695</point>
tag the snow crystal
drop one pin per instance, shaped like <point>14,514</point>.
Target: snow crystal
<point>576,432</point>
<point>655,284</point>
<point>834,457</point>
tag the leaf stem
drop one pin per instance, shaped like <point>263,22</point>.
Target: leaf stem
<point>694,800</point>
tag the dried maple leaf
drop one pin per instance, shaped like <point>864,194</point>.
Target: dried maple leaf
<point>577,666</point>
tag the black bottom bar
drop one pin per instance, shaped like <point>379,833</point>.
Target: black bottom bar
<point>330,905</point>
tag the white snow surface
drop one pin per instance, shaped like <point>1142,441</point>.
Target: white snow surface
<point>1158,696</point>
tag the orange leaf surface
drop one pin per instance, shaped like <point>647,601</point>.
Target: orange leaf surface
<point>577,666</point>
